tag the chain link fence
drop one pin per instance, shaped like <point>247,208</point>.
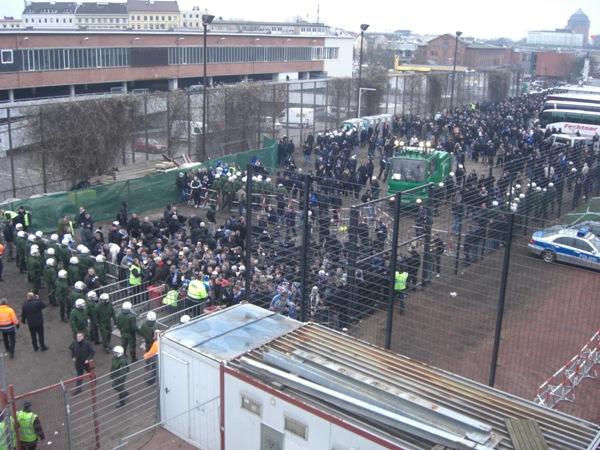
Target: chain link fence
<point>171,123</point>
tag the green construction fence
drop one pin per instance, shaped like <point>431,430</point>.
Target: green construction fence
<point>143,194</point>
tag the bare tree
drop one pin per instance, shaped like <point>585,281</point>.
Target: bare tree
<point>81,139</point>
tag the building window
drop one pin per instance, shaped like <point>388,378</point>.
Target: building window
<point>297,428</point>
<point>253,406</point>
<point>151,17</point>
<point>7,57</point>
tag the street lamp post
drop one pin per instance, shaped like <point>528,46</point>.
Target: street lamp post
<point>363,28</point>
<point>458,33</point>
<point>206,20</point>
<point>360,93</point>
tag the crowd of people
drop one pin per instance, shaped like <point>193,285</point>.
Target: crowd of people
<point>201,258</point>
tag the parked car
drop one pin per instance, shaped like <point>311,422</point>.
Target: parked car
<point>151,146</point>
<point>579,247</point>
<point>266,124</point>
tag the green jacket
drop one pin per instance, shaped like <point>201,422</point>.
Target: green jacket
<point>101,272</point>
<point>127,324</point>
<point>105,312</point>
<point>119,370</point>
<point>79,321</point>
<point>35,267</point>
<point>74,274</point>
<point>61,289</point>
<point>50,277</point>
<point>147,332</point>
<point>91,306</point>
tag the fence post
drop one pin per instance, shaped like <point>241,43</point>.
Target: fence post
<point>94,400</point>
<point>67,414</point>
<point>501,298</point>
<point>392,276</point>
<point>352,256</point>
<point>305,246</point>
<point>248,259</point>
<point>427,271</point>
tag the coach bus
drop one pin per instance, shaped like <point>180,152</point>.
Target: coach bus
<point>571,121</point>
<point>580,106</point>
<point>411,167</point>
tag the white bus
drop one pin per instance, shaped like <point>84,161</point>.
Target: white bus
<point>571,121</point>
<point>592,90</point>
<point>572,105</point>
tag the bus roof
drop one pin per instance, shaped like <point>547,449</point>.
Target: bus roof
<point>595,90</point>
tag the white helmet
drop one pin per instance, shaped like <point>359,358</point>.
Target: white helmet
<point>100,258</point>
<point>62,274</point>
<point>19,226</point>
<point>50,262</point>
<point>73,260</point>
<point>84,250</point>
<point>31,238</point>
<point>118,351</point>
<point>151,316</point>
<point>79,247</point>
<point>34,251</point>
<point>80,303</point>
<point>126,306</point>
<point>104,297</point>
<point>21,233</point>
<point>92,296</point>
<point>54,237</point>
<point>79,285</point>
<point>65,241</point>
<point>185,318</point>
<point>50,252</point>
<point>39,234</point>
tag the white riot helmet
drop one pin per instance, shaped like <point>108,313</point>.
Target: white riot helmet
<point>35,251</point>
<point>66,242</point>
<point>50,252</point>
<point>54,237</point>
<point>79,285</point>
<point>50,262</point>
<point>21,234</point>
<point>39,234</point>
<point>73,260</point>
<point>84,250</point>
<point>31,238</point>
<point>100,258</point>
<point>19,226</point>
<point>151,316</point>
<point>79,303</point>
<point>62,274</point>
<point>118,351</point>
<point>126,306</point>
<point>92,296</point>
<point>184,319</point>
<point>104,298</point>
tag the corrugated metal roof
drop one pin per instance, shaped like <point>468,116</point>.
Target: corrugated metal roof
<point>386,373</point>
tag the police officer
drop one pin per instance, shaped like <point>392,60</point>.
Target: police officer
<point>50,278</point>
<point>105,313</point>
<point>91,305</point>
<point>79,318</point>
<point>171,300</point>
<point>197,297</point>
<point>127,325</point>
<point>400,286</point>
<point>61,294</point>
<point>30,427</point>
<point>118,374</point>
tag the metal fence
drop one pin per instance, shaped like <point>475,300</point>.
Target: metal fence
<point>233,127</point>
<point>88,419</point>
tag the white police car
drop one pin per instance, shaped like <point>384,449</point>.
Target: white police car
<point>568,245</point>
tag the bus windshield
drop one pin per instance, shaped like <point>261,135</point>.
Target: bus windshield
<point>410,170</point>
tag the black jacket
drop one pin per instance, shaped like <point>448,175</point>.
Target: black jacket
<point>32,312</point>
<point>82,351</point>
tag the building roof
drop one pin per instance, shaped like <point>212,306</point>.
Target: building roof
<point>55,7</point>
<point>102,8</point>
<point>402,401</point>
<point>152,6</point>
<point>579,16</point>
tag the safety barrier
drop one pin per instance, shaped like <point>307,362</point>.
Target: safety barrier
<point>64,428</point>
<point>561,386</point>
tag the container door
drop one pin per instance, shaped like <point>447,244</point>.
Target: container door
<point>175,392</point>
<point>270,439</point>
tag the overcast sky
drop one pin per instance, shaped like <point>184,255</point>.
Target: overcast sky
<point>478,18</point>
